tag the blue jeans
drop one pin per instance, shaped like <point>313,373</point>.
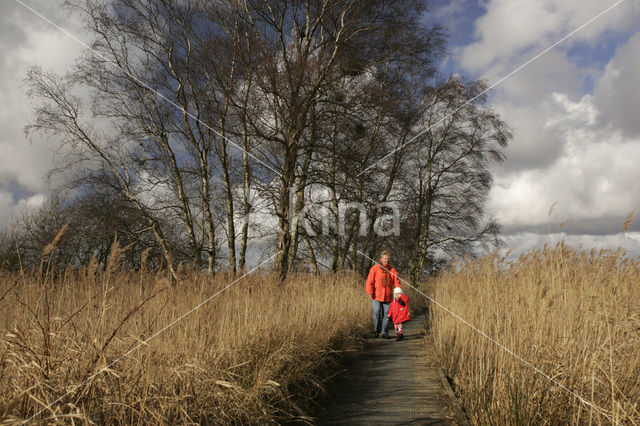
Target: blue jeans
<point>376,308</point>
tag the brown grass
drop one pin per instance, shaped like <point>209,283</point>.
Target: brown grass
<point>259,352</point>
<point>573,314</point>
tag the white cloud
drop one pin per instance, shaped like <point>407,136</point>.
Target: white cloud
<point>582,154</point>
<point>539,129</point>
<point>517,244</point>
<point>552,72</point>
<point>507,27</point>
<point>595,175</point>
<point>617,92</point>
<point>27,40</point>
<point>510,28</point>
<point>446,12</point>
<point>573,147</point>
<point>11,210</point>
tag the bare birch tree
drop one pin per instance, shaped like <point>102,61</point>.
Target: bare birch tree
<point>448,177</point>
<point>194,111</point>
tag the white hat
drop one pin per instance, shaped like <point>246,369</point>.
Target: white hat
<point>397,290</point>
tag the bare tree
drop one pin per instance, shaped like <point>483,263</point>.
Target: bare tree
<point>447,177</point>
<point>159,111</point>
<point>305,49</point>
<point>60,113</point>
<point>192,112</point>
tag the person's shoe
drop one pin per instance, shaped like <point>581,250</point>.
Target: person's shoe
<point>375,334</point>
<point>385,336</point>
<point>399,336</point>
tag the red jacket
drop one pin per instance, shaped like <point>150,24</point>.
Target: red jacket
<point>380,283</point>
<point>397,312</point>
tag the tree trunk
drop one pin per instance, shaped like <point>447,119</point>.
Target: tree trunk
<point>421,245</point>
<point>302,181</point>
<point>352,235</point>
<point>283,244</point>
<point>335,252</point>
<point>312,255</point>
<point>424,243</point>
<point>165,251</point>
<point>246,208</point>
<point>208,218</point>
<point>231,230</point>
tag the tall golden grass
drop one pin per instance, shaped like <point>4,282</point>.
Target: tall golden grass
<point>573,314</point>
<point>258,352</point>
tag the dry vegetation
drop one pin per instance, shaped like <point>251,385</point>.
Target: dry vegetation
<point>573,314</point>
<point>259,351</point>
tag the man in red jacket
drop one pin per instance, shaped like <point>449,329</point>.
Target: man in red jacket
<point>382,279</point>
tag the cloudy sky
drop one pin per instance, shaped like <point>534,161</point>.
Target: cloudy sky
<point>573,111</point>
<point>27,40</point>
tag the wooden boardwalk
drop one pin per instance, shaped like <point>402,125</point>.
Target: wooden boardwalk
<point>392,382</point>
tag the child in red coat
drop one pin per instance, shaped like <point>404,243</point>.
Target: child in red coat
<point>399,311</point>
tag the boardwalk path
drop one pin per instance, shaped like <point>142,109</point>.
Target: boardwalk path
<point>393,383</point>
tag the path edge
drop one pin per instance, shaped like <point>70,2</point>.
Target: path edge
<point>461,416</point>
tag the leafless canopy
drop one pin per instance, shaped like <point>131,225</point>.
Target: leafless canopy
<point>218,123</point>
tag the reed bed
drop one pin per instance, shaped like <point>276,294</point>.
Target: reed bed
<point>259,352</point>
<point>573,314</point>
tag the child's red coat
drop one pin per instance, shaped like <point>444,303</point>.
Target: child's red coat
<point>397,312</point>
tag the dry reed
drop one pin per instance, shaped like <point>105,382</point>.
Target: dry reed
<point>259,352</point>
<point>573,314</point>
